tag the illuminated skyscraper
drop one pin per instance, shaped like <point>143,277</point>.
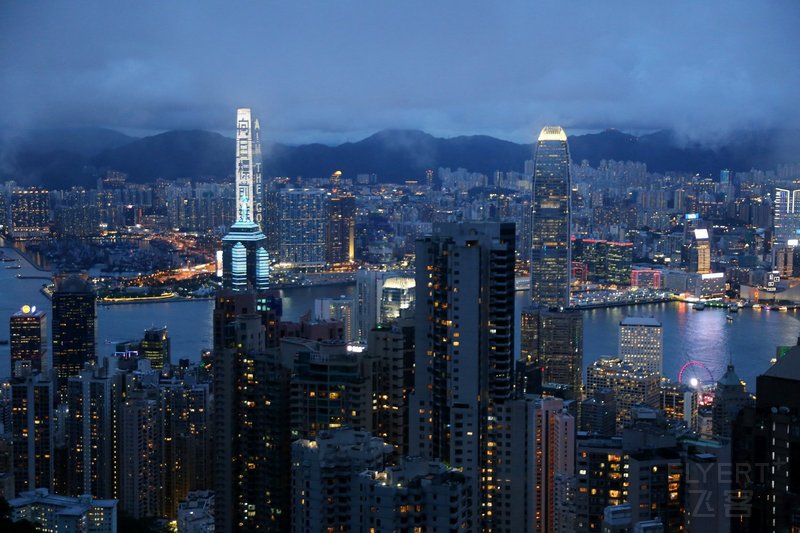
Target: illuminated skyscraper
<point>551,256</point>
<point>699,251</point>
<point>30,213</point>
<point>28,340</point>
<point>74,326</point>
<point>786,216</point>
<point>245,260</point>
<point>341,229</point>
<point>641,343</point>
<point>303,226</point>
<point>155,347</point>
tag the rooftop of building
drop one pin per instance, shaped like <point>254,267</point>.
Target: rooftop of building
<point>640,321</point>
<point>553,133</point>
<point>787,367</point>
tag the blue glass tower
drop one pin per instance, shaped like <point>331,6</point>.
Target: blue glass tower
<point>551,256</point>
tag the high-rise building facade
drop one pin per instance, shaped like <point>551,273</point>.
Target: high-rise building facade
<point>397,295</point>
<point>341,229</point>
<point>551,351</point>
<point>786,216</point>
<point>641,343</point>
<point>250,418</point>
<point>551,257</point>
<point>28,342</point>
<point>155,347</point>
<point>331,387</point>
<point>245,259</point>
<point>94,397</point>
<point>323,474</point>
<point>464,346</point>
<point>74,327</point>
<point>32,431</point>
<point>303,226</point>
<point>534,446</point>
<point>631,386</point>
<point>417,495</point>
<point>30,213</point>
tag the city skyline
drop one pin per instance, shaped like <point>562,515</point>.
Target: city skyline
<point>405,333</point>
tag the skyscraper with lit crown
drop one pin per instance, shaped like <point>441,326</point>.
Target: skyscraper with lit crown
<point>551,256</point>
<point>245,260</point>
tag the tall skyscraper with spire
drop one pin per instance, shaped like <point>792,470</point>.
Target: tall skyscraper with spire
<point>551,256</point>
<point>245,260</point>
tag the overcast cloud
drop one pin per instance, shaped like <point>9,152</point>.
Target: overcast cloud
<point>335,71</point>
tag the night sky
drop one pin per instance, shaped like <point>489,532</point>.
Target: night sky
<point>337,71</point>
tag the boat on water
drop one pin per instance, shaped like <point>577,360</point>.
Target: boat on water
<point>699,306</point>
<point>733,308</point>
<point>729,318</point>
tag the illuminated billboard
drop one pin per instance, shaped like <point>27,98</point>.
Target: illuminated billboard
<point>692,216</point>
<point>701,233</point>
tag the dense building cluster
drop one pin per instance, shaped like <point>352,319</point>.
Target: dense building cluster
<point>409,407</point>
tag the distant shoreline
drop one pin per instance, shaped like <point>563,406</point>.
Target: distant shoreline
<point>9,244</point>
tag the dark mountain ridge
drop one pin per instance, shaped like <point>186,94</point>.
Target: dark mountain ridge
<point>64,157</point>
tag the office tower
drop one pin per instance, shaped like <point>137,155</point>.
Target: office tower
<point>341,229</point>
<point>30,213</point>
<point>323,474</point>
<point>599,413</point>
<point>93,462</point>
<point>155,347</point>
<point>699,251</point>
<point>534,446</point>
<point>641,343</point>
<point>632,386</point>
<point>28,342</point>
<point>303,224</point>
<point>140,463</point>
<point>391,349</point>
<point>783,259</point>
<point>593,253</point>
<point>251,418</point>
<point>464,320</point>
<point>369,294</point>
<point>680,403</point>
<point>54,512</point>
<point>331,387</point>
<point>730,397</point>
<point>73,329</point>
<point>32,431</point>
<point>417,495</point>
<point>551,257</point>
<point>341,309</point>
<point>245,259</point>
<point>397,294</point>
<point>618,263</point>
<point>786,215</point>
<point>556,358</point>
<point>725,177</point>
